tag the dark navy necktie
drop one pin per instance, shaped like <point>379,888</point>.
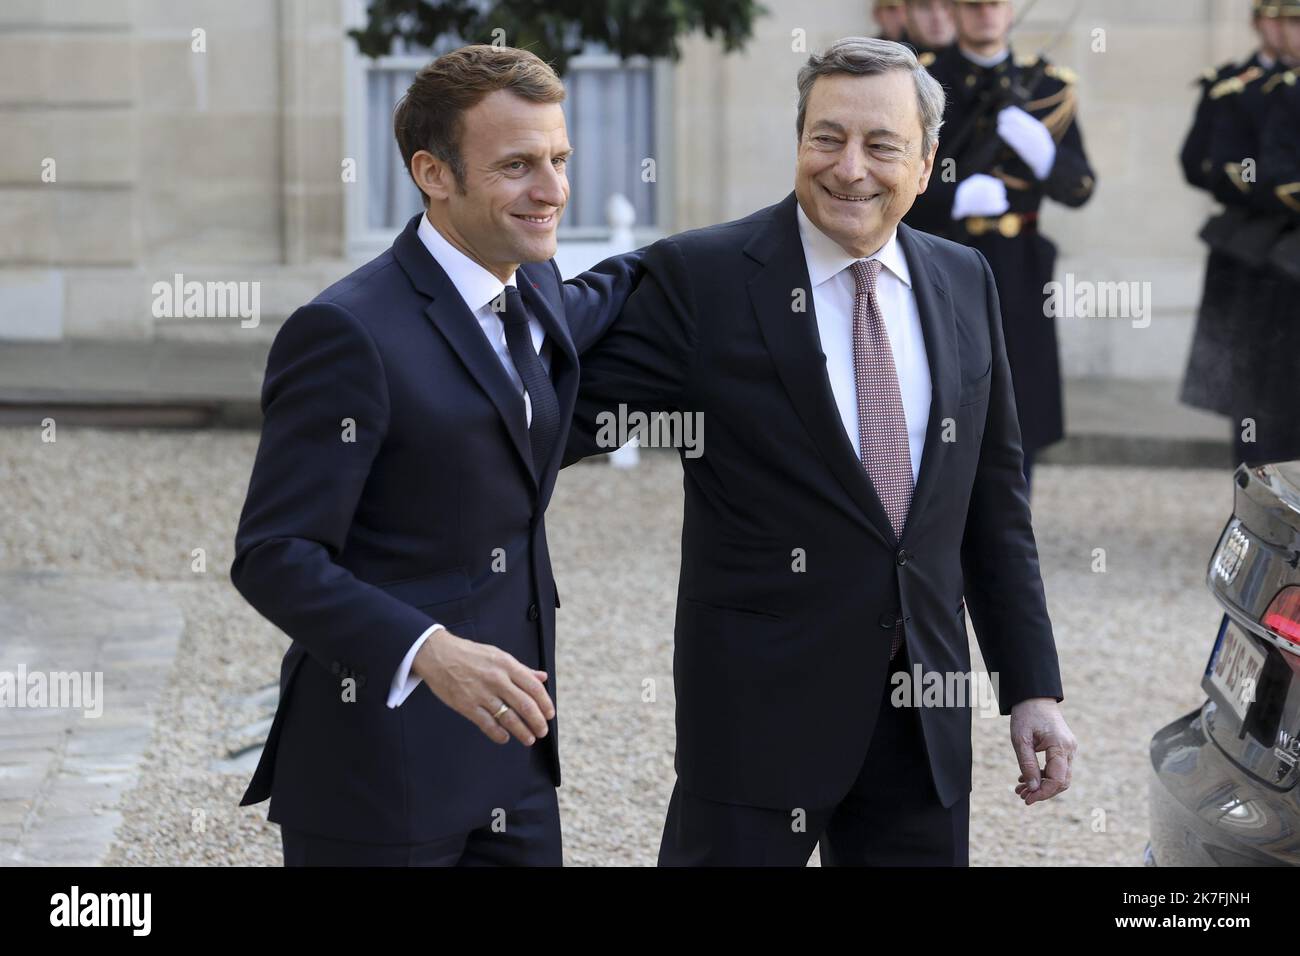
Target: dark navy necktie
<point>545,427</point>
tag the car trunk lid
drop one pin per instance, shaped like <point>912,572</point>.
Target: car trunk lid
<point>1253,674</point>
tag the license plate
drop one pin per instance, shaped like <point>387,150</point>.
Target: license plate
<point>1235,667</point>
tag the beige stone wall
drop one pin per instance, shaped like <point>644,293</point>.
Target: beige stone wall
<point>221,163</point>
<point>224,165</point>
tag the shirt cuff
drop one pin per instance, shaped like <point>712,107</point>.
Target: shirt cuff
<point>404,681</point>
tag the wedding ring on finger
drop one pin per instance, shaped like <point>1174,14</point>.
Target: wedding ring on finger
<point>500,712</point>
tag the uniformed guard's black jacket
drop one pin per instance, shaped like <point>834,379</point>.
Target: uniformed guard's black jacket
<point>1279,164</point>
<point>1238,131</point>
<point>1023,262</point>
<point>1195,156</point>
<point>1207,379</point>
<point>1243,359</point>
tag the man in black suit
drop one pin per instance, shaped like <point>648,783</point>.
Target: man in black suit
<point>415,415</point>
<point>862,471</point>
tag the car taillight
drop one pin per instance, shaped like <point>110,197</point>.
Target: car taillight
<point>1283,616</point>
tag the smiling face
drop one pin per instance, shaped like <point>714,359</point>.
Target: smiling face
<point>514,154</point>
<point>859,165</point>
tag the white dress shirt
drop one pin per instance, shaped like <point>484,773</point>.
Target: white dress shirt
<point>833,290</point>
<point>478,288</point>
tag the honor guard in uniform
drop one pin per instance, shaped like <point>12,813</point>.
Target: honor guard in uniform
<point>1275,375</point>
<point>1010,139</point>
<point>1256,366</point>
<point>930,28</point>
<point>1208,381</point>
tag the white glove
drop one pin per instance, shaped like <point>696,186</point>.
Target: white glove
<point>980,195</point>
<point>1028,137</point>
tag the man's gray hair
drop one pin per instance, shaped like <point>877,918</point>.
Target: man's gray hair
<point>866,56</point>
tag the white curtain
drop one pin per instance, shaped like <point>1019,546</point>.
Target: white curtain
<point>392,198</point>
<point>610,117</point>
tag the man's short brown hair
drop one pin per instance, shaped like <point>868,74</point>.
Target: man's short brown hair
<point>429,115</point>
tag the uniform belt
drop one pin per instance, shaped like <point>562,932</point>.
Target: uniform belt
<point>1008,225</point>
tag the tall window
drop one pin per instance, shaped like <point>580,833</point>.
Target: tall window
<point>610,112</point>
<point>610,115</point>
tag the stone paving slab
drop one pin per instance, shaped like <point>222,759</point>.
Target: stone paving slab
<point>1131,422</point>
<point>64,768</point>
<point>157,383</point>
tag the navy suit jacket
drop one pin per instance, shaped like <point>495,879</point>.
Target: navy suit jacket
<point>792,577</point>
<point>392,483</point>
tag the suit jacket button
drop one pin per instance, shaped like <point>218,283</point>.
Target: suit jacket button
<point>533,613</point>
<point>902,556</point>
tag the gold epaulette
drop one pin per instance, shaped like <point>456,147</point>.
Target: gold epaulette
<point>926,58</point>
<point>1288,78</point>
<point>1289,194</point>
<point>1063,103</point>
<point>1234,171</point>
<point>1213,74</point>
<point>1235,84</point>
<point>1062,73</point>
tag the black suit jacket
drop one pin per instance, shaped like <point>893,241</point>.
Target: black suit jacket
<point>354,548</point>
<point>779,671</point>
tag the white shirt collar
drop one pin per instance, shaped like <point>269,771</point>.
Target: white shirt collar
<point>476,285</point>
<point>986,61</point>
<point>827,259</point>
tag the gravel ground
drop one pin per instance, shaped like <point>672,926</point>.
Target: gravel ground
<point>1132,639</point>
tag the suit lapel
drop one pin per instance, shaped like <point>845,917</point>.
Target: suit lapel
<point>457,324</point>
<point>792,341</point>
<point>938,326</point>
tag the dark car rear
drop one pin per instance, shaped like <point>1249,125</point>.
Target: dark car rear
<point>1223,788</point>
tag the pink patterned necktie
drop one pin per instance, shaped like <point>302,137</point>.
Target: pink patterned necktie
<point>882,427</point>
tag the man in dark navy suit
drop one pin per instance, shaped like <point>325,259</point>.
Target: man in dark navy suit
<point>415,415</point>
<point>863,472</point>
